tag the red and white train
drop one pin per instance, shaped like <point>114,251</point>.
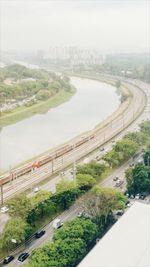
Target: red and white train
<point>43,160</point>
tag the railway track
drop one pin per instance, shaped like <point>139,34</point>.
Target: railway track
<point>77,148</point>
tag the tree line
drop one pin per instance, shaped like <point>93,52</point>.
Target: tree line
<point>43,86</point>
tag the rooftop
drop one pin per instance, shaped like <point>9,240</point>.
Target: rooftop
<point>126,244</point>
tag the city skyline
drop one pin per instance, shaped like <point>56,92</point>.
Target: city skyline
<point>108,26</point>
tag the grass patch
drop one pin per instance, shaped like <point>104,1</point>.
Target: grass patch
<point>41,107</point>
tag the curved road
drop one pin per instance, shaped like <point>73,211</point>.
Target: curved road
<point>115,124</point>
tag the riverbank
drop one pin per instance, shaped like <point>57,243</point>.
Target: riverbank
<point>120,120</point>
<point>21,113</point>
<point>48,126</point>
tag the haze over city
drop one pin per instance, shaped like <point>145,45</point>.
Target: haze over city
<point>109,26</point>
<point>75,133</point>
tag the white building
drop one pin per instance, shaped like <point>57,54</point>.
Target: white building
<point>126,244</point>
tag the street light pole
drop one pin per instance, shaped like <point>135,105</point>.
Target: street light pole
<point>123,124</point>
<point>2,199</point>
<point>74,171</point>
<point>74,164</point>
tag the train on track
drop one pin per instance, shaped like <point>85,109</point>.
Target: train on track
<point>30,166</point>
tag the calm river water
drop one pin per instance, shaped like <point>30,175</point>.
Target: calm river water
<point>93,102</point>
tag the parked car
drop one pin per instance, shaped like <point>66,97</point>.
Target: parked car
<point>80,214</point>
<point>119,182</point>
<point>131,165</point>
<point>132,196</point>
<point>36,189</point>
<point>4,209</point>
<point>127,195</point>
<point>40,233</point>
<point>120,212</point>
<point>115,179</point>
<point>8,259</point>
<point>137,196</point>
<point>22,257</point>
<point>128,204</point>
<point>97,158</point>
<point>143,196</point>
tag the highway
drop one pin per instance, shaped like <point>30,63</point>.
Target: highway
<point>103,139</point>
<point>114,127</point>
<point>67,215</point>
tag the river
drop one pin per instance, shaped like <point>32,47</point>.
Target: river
<point>92,103</point>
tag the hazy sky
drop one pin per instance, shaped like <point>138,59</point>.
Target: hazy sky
<point>107,25</point>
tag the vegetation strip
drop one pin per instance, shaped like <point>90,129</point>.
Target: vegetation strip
<point>25,92</point>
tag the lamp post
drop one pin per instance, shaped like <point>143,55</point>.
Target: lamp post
<point>123,124</point>
<point>2,198</point>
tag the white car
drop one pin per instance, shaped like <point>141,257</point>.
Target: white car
<point>36,189</point>
<point>4,209</point>
<point>57,223</point>
<point>137,196</point>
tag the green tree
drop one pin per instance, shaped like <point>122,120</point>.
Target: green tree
<point>100,203</point>
<point>126,148</point>
<point>41,196</point>
<point>138,137</point>
<point>42,210</point>
<point>85,181</point>
<point>20,206</point>
<point>145,127</point>
<point>62,253</point>
<point>147,157</point>
<point>64,185</point>
<point>78,228</point>
<point>93,168</point>
<point>64,199</point>
<point>16,229</point>
<point>138,180</point>
<point>112,158</point>
<point>43,95</point>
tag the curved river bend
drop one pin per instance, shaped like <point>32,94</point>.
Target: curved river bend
<point>93,102</point>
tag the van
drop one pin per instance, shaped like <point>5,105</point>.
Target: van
<point>57,223</point>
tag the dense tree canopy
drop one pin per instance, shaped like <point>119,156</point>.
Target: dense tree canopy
<point>16,229</point>
<point>145,127</point>
<point>85,181</point>
<point>77,228</point>
<point>93,168</point>
<point>100,202</point>
<point>122,150</point>
<point>18,82</point>
<point>147,157</point>
<point>20,206</point>
<point>40,196</point>
<point>70,245</point>
<point>138,179</point>
<point>64,185</point>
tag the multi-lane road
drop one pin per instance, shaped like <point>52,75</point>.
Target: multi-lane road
<point>67,215</point>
